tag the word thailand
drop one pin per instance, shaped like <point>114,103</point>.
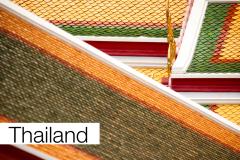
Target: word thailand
<point>49,135</point>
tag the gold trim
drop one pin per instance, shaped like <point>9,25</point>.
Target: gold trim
<point>170,37</point>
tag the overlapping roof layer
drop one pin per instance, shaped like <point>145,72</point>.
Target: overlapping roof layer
<point>109,17</point>
<point>218,47</point>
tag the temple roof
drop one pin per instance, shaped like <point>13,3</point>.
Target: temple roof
<point>52,76</point>
<point>109,17</point>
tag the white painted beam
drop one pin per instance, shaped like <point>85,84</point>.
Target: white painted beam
<point>213,97</point>
<point>123,39</point>
<point>135,61</point>
<point>206,75</point>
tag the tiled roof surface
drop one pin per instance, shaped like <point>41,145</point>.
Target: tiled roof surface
<point>155,73</point>
<point>109,17</point>
<point>228,111</point>
<point>218,47</point>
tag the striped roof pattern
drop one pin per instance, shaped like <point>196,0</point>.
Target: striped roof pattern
<point>109,17</point>
<point>218,47</point>
<point>48,80</point>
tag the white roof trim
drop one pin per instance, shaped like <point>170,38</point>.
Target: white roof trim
<point>77,43</point>
<point>206,75</point>
<point>123,39</point>
<point>35,152</point>
<point>137,61</point>
<point>213,97</point>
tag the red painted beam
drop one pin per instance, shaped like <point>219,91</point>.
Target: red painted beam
<point>8,152</point>
<point>151,49</point>
<point>205,84</point>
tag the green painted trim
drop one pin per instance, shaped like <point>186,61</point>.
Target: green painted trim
<point>212,25</point>
<point>118,31</point>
